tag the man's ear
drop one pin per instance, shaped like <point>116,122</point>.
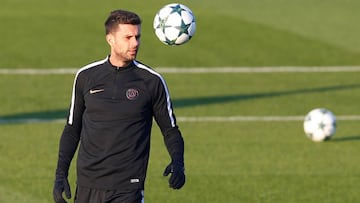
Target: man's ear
<point>110,39</point>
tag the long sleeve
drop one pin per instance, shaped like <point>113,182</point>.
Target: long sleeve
<point>165,118</point>
<point>71,134</point>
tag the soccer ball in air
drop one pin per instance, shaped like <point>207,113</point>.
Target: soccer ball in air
<point>320,124</point>
<point>174,24</point>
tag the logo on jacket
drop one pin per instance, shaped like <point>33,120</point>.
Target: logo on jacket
<point>93,91</point>
<point>132,94</point>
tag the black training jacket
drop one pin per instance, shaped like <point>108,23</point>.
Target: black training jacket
<point>111,116</point>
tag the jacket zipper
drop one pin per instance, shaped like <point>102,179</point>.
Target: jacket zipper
<point>115,83</point>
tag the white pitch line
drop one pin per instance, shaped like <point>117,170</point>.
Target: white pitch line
<point>201,119</point>
<point>31,120</point>
<point>239,118</point>
<point>59,71</point>
<point>285,69</point>
<point>257,118</point>
<point>198,70</point>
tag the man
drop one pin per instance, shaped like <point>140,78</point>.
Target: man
<point>112,107</point>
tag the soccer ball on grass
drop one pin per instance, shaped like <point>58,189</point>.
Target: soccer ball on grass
<point>320,124</point>
<point>174,24</point>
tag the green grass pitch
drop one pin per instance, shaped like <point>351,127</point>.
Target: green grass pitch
<point>238,161</point>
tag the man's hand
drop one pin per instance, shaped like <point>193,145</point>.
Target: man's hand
<point>177,178</point>
<point>61,185</point>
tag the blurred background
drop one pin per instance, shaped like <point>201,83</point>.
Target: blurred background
<point>242,128</point>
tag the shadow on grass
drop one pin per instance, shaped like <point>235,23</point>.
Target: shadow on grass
<point>198,101</point>
<point>31,117</point>
<point>347,138</point>
<point>53,114</point>
<point>186,102</point>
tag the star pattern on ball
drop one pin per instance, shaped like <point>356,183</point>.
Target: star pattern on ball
<point>183,28</point>
<point>161,23</point>
<point>322,125</point>
<point>169,42</point>
<point>176,9</point>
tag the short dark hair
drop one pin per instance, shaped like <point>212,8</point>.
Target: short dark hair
<point>119,16</point>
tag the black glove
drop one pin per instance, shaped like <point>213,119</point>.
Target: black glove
<point>61,185</point>
<point>177,178</point>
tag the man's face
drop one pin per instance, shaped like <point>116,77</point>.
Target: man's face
<point>124,43</point>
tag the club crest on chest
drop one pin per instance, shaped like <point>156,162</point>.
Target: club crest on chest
<point>132,94</point>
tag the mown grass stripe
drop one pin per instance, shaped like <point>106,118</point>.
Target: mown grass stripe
<point>285,69</point>
<point>193,119</point>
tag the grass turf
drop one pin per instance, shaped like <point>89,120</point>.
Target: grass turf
<point>229,33</point>
<point>225,162</point>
